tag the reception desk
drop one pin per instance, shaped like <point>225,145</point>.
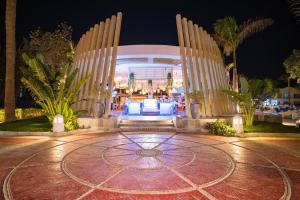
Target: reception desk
<point>165,108</point>
<point>134,108</point>
<point>149,107</point>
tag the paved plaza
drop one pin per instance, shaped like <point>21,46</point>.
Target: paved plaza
<point>149,165</point>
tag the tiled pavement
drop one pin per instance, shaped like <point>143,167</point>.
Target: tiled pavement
<point>149,166</point>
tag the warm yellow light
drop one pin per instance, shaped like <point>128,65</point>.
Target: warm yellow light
<point>118,79</point>
<point>237,124</point>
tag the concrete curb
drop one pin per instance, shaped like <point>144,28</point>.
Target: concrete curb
<point>261,134</point>
<point>52,134</point>
<point>107,130</point>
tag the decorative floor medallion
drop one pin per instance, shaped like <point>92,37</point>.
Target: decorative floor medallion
<point>147,166</point>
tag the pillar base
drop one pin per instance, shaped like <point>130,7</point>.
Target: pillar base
<point>98,123</point>
<point>197,124</point>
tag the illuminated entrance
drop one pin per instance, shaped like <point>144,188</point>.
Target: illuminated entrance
<point>148,81</point>
<point>153,80</point>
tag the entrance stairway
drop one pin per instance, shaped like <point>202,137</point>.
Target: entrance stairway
<point>146,125</point>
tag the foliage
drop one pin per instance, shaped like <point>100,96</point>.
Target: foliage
<point>269,127</point>
<point>56,47</point>
<point>170,80</point>
<point>54,93</point>
<point>150,82</point>
<point>228,34</point>
<point>244,100</point>
<point>24,113</point>
<point>295,8</point>
<point>33,125</point>
<point>220,128</point>
<point>252,93</point>
<point>292,65</point>
<point>261,90</point>
<point>196,97</point>
<point>131,81</point>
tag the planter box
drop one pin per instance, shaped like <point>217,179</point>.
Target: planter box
<point>197,124</point>
<point>98,123</point>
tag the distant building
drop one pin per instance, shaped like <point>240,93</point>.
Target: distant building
<point>289,95</point>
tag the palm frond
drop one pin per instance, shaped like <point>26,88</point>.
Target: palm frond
<point>36,92</point>
<point>229,66</point>
<point>250,27</point>
<point>244,84</point>
<point>76,91</point>
<point>226,28</point>
<point>53,94</point>
<point>70,78</point>
<point>295,8</point>
<point>219,40</point>
<point>226,34</point>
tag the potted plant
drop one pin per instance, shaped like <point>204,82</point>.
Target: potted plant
<point>196,104</point>
<point>150,89</point>
<point>131,81</point>
<point>170,80</point>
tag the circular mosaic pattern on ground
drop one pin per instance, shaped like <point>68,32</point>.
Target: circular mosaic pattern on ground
<point>155,166</point>
<point>147,166</point>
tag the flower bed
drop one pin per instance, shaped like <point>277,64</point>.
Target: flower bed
<point>24,113</point>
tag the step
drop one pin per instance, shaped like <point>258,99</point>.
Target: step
<point>146,125</point>
<point>146,122</point>
<point>147,128</point>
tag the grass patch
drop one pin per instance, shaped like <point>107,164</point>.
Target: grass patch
<point>33,125</point>
<point>269,127</point>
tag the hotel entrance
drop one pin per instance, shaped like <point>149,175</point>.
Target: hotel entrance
<point>148,83</point>
<point>151,81</point>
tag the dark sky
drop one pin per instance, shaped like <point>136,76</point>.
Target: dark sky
<point>153,22</point>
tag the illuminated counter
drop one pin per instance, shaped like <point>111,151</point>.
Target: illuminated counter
<point>134,108</point>
<point>165,108</point>
<point>149,107</point>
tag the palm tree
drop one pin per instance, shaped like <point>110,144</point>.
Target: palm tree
<point>229,35</point>
<point>252,94</point>
<point>295,8</point>
<point>54,93</point>
<point>10,27</point>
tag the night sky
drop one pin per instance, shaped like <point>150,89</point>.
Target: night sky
<point>153,22</point>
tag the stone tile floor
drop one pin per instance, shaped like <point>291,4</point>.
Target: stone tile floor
<point>136,165</point>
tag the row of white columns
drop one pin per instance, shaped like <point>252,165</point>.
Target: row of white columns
<point>202,68</point>
<point>96,57</point>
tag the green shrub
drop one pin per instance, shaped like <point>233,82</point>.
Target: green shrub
<point>24,113</point>
<point>54,93</point>
<point>220,128</point>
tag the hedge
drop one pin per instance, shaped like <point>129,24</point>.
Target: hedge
<point>24,113</point>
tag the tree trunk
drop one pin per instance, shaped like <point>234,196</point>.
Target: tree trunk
<point>10,25</point>
<point>235,80</point>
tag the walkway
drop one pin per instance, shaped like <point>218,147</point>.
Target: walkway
<point>149,166</point>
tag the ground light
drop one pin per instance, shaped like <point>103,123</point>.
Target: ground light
<point>237,124</point>
<point>58,124</point>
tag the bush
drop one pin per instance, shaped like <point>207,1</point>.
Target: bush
<point>220,128</point>
<point>24,113</point>
<point>54,93</point>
